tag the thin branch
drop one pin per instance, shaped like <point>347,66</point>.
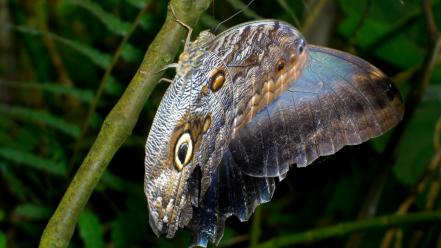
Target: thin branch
<point>120,122</point>
<point>437,135</point>
<point>235,241</point>
<point>255,228</point>
<point>351,227</point>
<point>101,88</point>
<point>432,168</point>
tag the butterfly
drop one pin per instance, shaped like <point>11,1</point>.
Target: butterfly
<point>244,106</point>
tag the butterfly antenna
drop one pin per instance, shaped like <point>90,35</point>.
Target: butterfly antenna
<point>231,17</point>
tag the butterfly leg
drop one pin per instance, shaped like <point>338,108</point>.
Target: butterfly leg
<point>190,29</point>
<point>166,80</point>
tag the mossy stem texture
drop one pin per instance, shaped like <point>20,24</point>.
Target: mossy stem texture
<point>120,122</point>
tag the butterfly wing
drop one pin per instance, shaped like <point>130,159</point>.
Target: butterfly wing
<point>339,100</point>
<point>230,193</point>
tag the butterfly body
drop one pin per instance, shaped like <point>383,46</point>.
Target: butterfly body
<point>243,107</point>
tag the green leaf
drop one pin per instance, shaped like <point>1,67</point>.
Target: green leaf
<point>113,87</point>
<point>112,22</point>
<point>96,121</point>
<point>416,147</point>
<point>82,95</point>
<point>401,52</point>
<point>229,235</point>
<point>33,161</point>
<point>114,182</point>
<point>131,53</point>
<point>15,184</point>
<point>33,211</point>
<point>97,57</point>
<point>346,195</point>
<point>3,240</point>
<point>138,3</point>
<point>123,232</point>
<point>148,21</point>
<point>433,94</point>
<point>90,229</point>
<point>25,139</point>
<point>30,115</point>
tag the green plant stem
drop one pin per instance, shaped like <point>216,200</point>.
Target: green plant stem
<point>255,228</point>
<point>350,227</point>
<point>120,122</point>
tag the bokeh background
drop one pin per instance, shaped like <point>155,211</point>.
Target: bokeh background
<point>63,59</point>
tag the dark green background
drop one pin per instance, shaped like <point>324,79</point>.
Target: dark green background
<point>57,56</point>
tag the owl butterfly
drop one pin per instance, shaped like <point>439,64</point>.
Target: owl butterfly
<point>243,107</point>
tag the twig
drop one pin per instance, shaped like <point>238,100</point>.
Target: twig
<point>432,167</point>
<point>437,135</point>
<point>255,228</point>
<point>120,122</point>
<point>236,240</point>
<point>101,87</point>
<point>432,195</point>
<point>351,227</point>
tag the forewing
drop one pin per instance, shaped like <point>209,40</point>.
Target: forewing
<point>258,60</point>
<point>339,100</point>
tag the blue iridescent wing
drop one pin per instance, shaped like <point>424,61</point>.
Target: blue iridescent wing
<point>339,100</point>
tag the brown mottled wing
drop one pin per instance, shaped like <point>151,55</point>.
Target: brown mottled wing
<point>339,100</point>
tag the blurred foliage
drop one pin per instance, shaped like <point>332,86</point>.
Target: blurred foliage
<point>58,52</point>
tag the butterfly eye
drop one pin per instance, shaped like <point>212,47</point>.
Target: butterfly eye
<point>301,47</point>
<point>280,65</point>
<point>217,80</point>
<point>183,151</point>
